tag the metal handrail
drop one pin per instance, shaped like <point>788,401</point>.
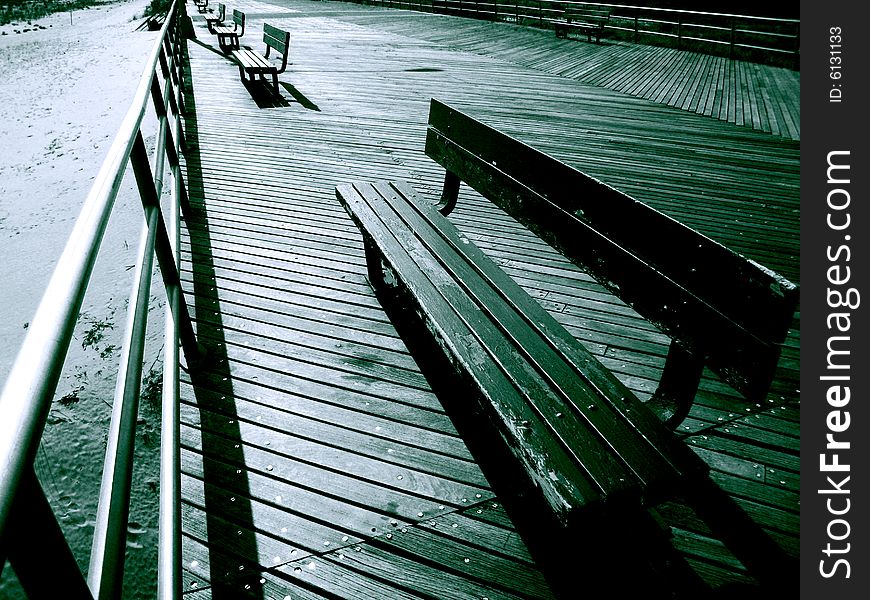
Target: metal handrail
<point>29,390</point>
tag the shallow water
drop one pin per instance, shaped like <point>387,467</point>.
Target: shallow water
<point>65,90</point>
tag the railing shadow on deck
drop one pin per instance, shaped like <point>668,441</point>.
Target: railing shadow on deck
<point>230,541</point>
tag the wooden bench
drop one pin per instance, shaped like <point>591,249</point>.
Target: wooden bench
<point>590,20</point>
<point>228,37</point>
<point>255,64</point>
<point>216,20</point>
<point>555,430</point>
<point>202,6</point>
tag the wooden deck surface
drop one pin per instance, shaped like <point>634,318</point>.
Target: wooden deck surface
<point>317,463</point>
<point>758,96</point>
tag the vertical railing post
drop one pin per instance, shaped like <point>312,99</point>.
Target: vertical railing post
<point>733,35</point>
<point>680,32</point>
<point>107,555</point>
<point>636,13</point>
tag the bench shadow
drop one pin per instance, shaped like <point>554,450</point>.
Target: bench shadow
<point>263,95</point>
<point>299,97</point>
<point>213,49</point>
<point>228,532</point>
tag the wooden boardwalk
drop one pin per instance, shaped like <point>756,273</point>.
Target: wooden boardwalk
<point>316,461</point>
<point>758,96</point>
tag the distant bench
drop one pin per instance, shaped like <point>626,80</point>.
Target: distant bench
<point>539,410</point>
<point>253,64</point>
<point>216,20</point>
<point>590,20</point>
<point>202,6</point>
<point>228,37</point>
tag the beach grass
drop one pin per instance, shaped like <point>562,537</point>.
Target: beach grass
<point>12,11</point>
<point>25,11</point>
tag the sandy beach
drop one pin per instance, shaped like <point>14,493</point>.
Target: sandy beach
<point>68,82</point>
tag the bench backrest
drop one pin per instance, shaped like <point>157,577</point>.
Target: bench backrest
<point>716,304</point>
<point>279,40</point>
<point>239,18</point>
<point>222,12</point>
<point>276,38</point>
<point>587,14</point>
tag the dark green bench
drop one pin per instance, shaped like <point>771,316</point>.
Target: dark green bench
<point>228,37</point>
<point>216,20</point>
<point>590,20</point>
<point>256,65</point>
<point>553,428</point>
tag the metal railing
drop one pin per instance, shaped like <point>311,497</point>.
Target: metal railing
<point>737,36</point>
<point>49,569</point>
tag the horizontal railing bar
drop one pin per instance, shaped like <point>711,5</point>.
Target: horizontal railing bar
<point>773,34</point>
<point>764,48</point>
<point>105,573</point>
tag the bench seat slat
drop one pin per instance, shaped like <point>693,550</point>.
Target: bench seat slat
<point>492,327</point>
<point>251,60</point>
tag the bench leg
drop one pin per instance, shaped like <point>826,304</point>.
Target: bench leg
<point>275,83</point>
<point>449,194</point>
<point>673,399</point>
<point>380,278</point>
